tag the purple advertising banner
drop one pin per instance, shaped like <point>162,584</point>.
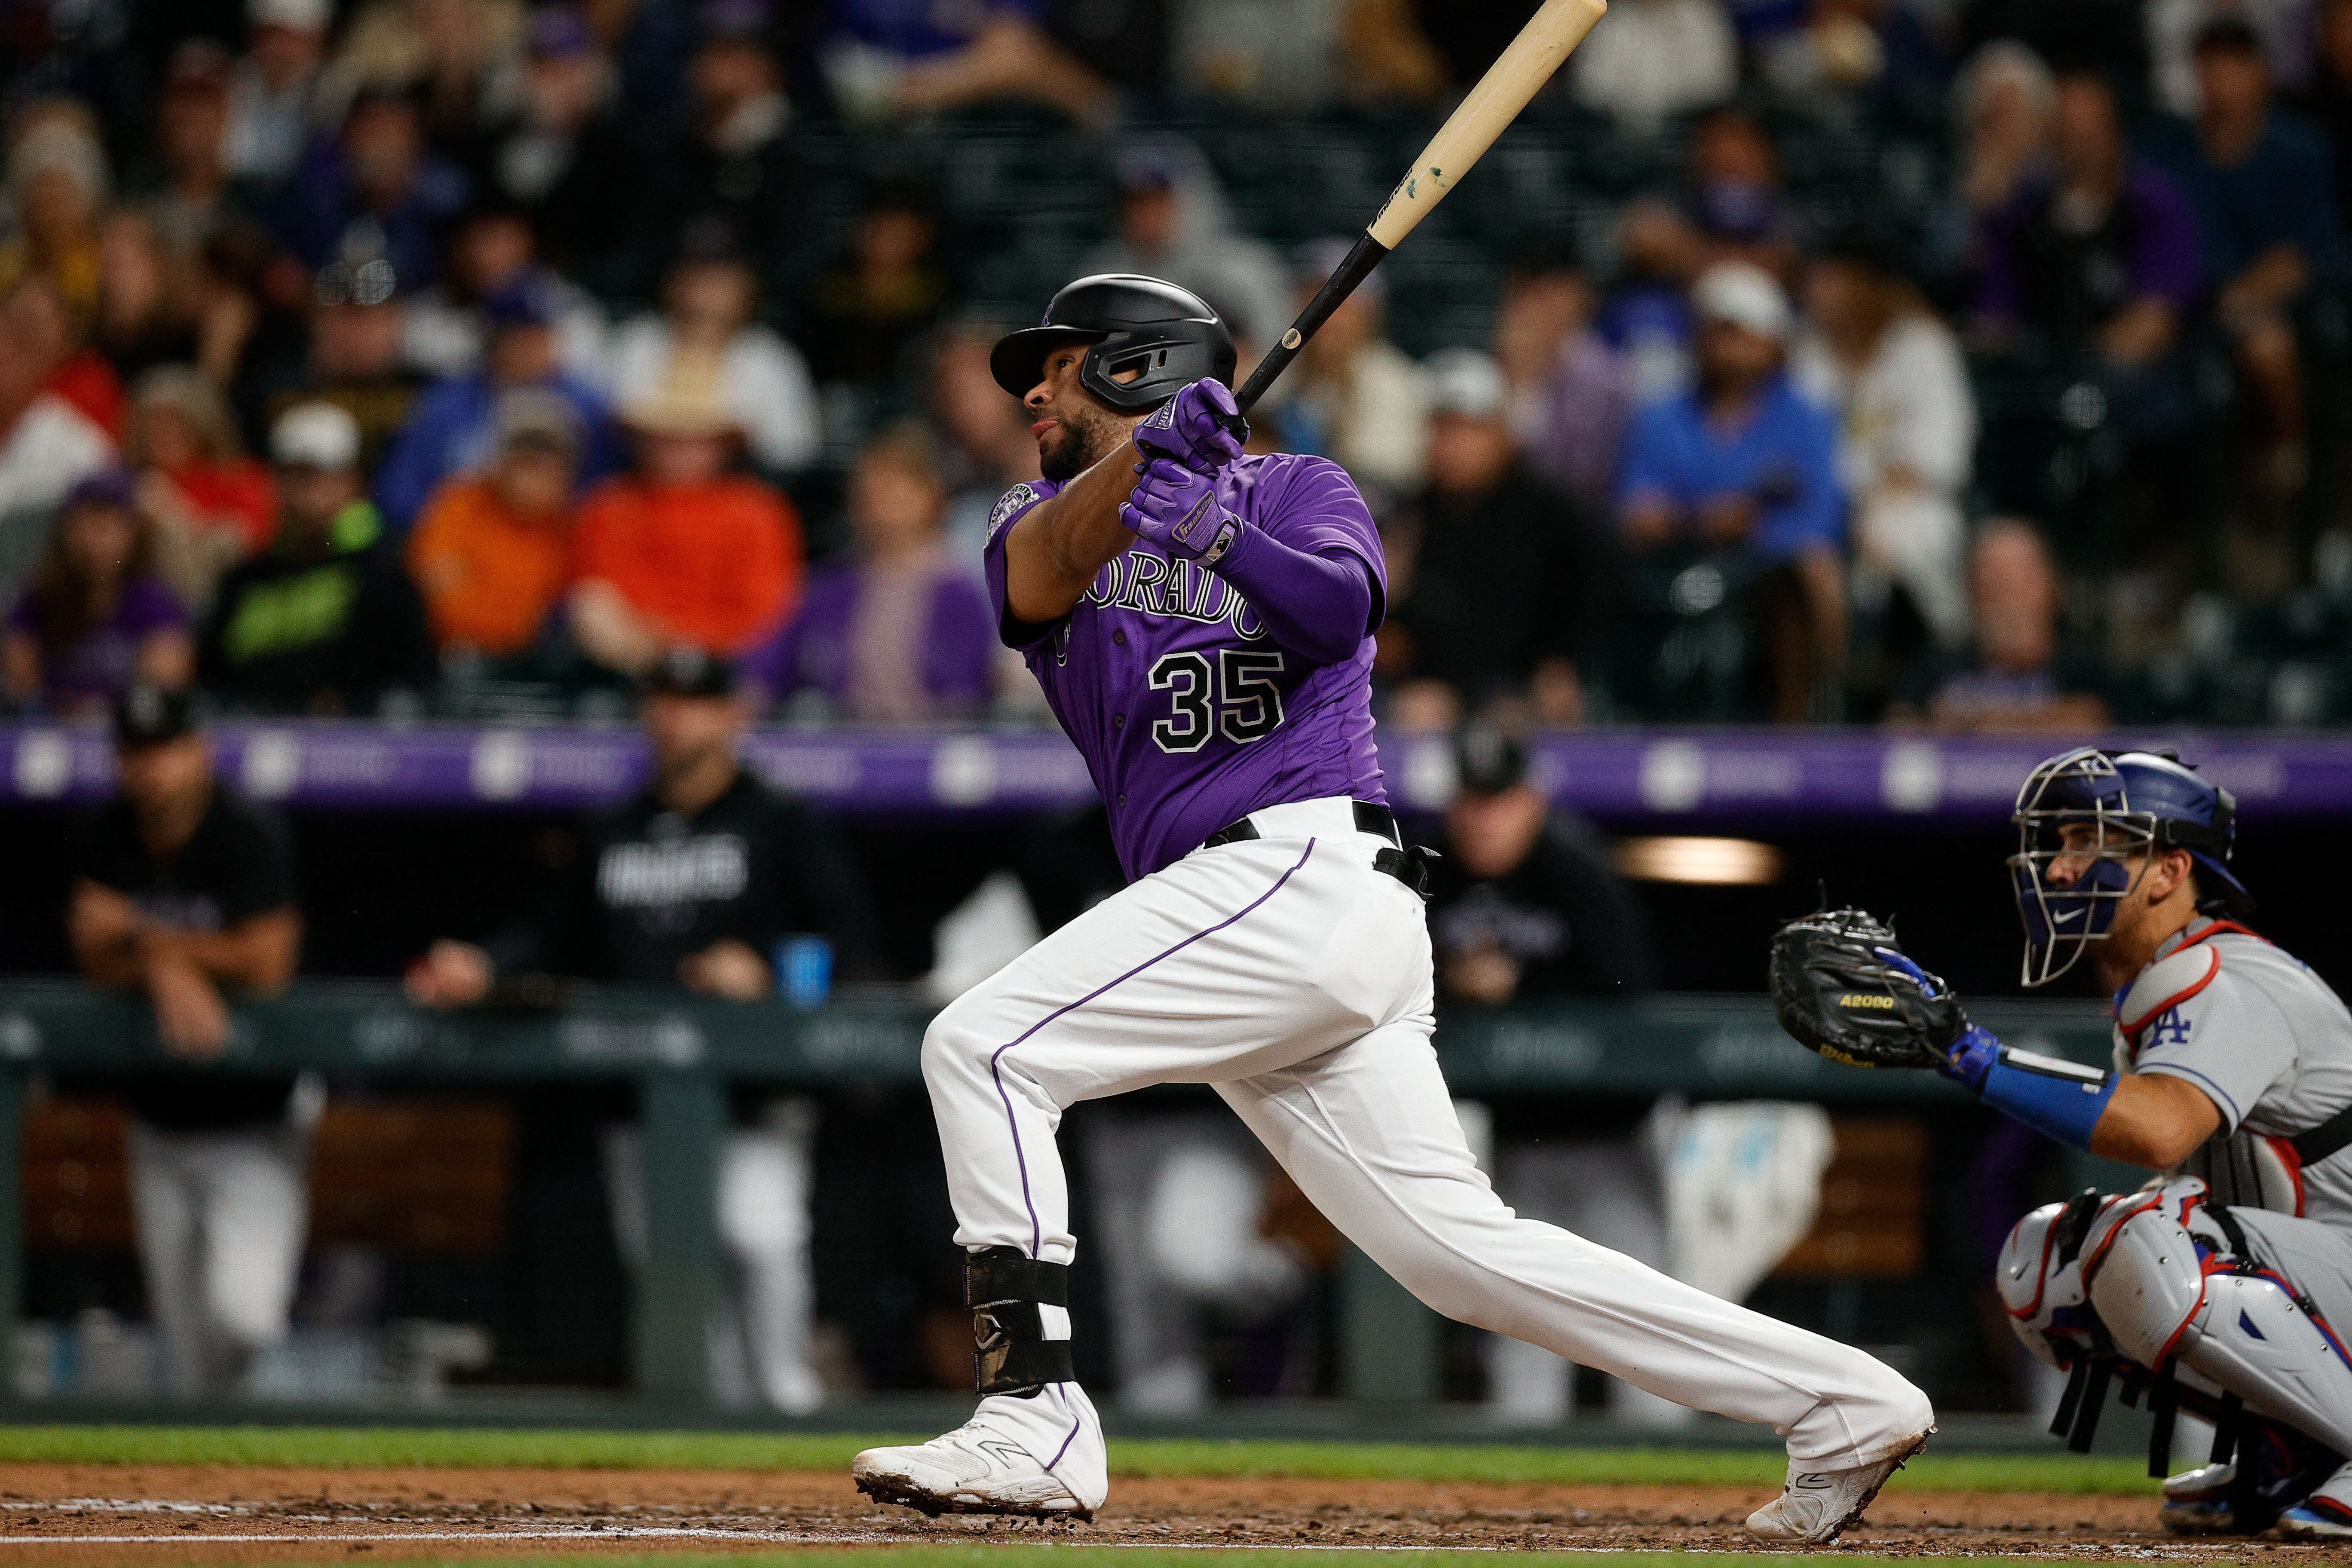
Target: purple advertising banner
<point>1661,775</point>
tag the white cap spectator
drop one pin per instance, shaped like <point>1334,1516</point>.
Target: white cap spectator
<point>1466,383</point>
<point>62,147</point>
<point>315,436</point>
<point>297,15</point>
<point>1745,296</point>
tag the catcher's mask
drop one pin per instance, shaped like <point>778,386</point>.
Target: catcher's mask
<point>2121,806</point>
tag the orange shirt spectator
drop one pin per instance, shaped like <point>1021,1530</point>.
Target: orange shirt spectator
<point>682,550</point>
<point>491,555</point>
<point>717,564</point>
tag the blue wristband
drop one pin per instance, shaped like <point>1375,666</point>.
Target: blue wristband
<point>2061,1099</point>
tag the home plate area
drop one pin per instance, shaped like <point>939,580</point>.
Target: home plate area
<point>90,1513</point>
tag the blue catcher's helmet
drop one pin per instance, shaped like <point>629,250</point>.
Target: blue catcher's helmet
<point>2131,803</point>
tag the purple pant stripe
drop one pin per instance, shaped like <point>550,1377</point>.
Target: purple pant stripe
<point>1036,1226</point>
<point>1076,1421</point>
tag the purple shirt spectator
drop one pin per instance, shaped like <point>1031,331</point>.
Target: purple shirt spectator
<point>1571,425</point>
<point>104,660</point>
<point>912,29</point>
<point>2039,274</point>
<point>903,644</point>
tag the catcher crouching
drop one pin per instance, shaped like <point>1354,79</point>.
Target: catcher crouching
<point>2217,1288</point>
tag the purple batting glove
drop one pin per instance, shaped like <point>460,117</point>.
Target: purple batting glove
<point>1192,428</point>
<point>1178,509</point>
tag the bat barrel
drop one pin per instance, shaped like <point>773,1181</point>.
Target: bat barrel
<point>1549,37</point>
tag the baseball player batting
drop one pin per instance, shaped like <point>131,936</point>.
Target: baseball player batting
<point>1201,623</point>
<point>2223,1287</point>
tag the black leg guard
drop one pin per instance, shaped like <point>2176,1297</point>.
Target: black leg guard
<point>1004,1291</point>
<point>2162,1402</point>
<point>2086,1414</point>
<point>2225,1429</point>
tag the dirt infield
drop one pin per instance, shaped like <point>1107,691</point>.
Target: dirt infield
<point>175,1513</point>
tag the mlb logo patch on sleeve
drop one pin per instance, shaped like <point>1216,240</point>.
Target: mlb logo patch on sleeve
<point>1011,501</point>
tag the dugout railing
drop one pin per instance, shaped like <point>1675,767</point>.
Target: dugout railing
<point>682,1055</point>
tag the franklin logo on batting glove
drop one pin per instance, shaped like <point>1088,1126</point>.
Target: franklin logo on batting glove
<point>1200,427</point>
<point>1179,511</point>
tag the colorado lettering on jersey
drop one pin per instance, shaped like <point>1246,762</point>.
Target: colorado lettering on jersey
<point>708,869</point>
<point>1173,588</point>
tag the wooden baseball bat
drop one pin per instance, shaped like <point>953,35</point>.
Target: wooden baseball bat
<point>1550,35</point>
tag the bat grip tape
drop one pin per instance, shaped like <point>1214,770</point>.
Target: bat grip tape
<point>1365,255</point>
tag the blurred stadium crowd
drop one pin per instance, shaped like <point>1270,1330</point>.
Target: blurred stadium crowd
<point>1965,363</point>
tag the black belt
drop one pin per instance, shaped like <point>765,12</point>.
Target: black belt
<point>1407,863</point>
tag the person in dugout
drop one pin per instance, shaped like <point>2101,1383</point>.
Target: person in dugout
<point>183,895</point>
<point>696,881</point>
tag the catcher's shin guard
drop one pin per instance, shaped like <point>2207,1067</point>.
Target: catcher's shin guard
<point>2243,1326</point>
<point>1020,1320</point>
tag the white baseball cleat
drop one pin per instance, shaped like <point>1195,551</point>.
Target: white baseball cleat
<point>982,1467</point>
<point>1818,1506</point>
<point>2197,1502</point>
<point>2325,1515</point>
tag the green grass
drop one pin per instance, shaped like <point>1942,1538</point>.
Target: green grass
<point>1011,1556</point>
<point>374,1447</point>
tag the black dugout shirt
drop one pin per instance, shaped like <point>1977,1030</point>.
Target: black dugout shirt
<point>238,864</point>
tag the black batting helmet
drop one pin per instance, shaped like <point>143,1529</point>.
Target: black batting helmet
<point>1168,333</point>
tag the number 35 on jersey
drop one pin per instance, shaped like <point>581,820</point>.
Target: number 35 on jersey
<point>1233,695</point>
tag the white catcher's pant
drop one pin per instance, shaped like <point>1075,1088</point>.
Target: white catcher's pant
<point>1296,978</point>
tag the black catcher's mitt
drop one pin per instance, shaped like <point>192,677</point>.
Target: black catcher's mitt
<point>1837,994</point>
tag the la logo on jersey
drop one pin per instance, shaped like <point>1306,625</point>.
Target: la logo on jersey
<point>2170,1030</point>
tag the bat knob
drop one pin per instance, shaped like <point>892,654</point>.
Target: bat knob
<point>1237,426</point>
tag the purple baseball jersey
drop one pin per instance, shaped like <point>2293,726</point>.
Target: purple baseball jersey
<point>1189,714</point>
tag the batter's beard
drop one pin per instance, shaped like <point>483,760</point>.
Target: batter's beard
<point>1088,437</point>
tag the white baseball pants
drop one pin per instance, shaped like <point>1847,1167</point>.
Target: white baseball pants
<point>221,1217</point>
<point>758,1328</point>
<point>1294,977</point>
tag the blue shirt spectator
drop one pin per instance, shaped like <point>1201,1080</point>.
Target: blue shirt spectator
<point>454,426</point>
<point>1742,474</point>
<point>373,189</point>
<point>1743,459</point>
<point>1779,454</point>
<point>2257,180</point>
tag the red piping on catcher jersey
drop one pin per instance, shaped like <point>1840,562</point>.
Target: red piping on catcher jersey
<point>2221,928</point>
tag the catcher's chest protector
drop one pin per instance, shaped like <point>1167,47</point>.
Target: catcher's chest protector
<point>2246,1170</point>
<point>2270,1043</point>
